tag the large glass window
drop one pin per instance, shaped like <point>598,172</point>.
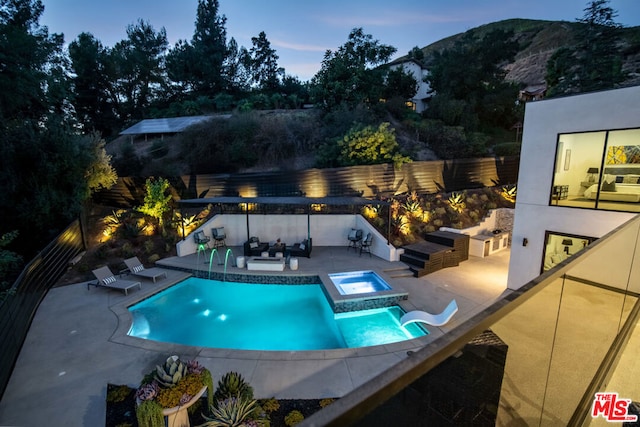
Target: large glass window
<point>560,246</point>
<point>598,170</point>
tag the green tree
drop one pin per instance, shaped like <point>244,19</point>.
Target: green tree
<point>369,146</point>
<point>264,64</point>
<point>350,75</point>
<point>94,100</point>
<point>10,263</point>
<point>100,173</point>
<point>595,62</point>
<point>399,83</point>
<point>200,66</point>
<point>27,53</point>
<point>210,46</point>
<point>139,62</point>
<point>156,201</point>
<point>470,79</point>
<point>237,67</point>
<point>416,53</point>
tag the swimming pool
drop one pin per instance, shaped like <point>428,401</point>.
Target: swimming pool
<point>358,282</point>
<point>245,316</point>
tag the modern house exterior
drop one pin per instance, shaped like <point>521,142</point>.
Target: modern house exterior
<point>572,146</point>
<point>419,72</point>
<point>571,327</point>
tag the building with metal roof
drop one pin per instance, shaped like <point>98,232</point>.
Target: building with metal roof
<point>170,125</point>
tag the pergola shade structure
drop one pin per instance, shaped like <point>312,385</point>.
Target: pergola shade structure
<point>306,202</point>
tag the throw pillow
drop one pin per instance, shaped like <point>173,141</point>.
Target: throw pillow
<point>302,246</point>
<point>609,186</point>
<point>253,245</point>
<point>108,280</point>
<point>138,268</point>
<point>352,234</point>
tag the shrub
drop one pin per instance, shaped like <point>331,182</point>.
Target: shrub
<point>293,418</point>
<point>507,149</point>
<point>270,405</point>
<point>158,149</point>
<point>127,250</point>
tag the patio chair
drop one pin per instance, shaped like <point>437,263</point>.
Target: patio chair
<point>365,246</point>
<point>219,237</point>
<point>355,237</point>
<point>107,279</point>
<point>430,319</point>
<point>202,241</point>
<point>136,268</point>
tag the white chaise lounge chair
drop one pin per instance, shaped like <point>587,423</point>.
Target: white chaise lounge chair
<point>106,279</point>
<point>136,268</point>
<point>430,319</point>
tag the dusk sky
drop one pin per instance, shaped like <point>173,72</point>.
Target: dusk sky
<point>301,31</point>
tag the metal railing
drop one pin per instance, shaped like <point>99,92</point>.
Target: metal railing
<point>20,305</point>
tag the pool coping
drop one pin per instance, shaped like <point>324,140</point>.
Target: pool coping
<point>125,319</point>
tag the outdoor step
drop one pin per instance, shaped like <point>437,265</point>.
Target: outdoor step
<point>418,272</point>
<point>405,273</point>
<point>413,260</point>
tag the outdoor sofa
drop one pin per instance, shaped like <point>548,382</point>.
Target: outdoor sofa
<point>253,247</point>
<point>301,249</point>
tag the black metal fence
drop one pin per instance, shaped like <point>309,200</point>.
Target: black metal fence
<point>376,181</point>
<point>19,308</point>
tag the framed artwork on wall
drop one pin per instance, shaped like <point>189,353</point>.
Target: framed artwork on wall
<point>567,159</point>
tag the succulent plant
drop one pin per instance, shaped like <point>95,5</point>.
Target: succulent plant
<point>171,373</point>
<point>194,367</point>
<point>148,391</point>
<point>233,385</point>
<point>230,412</point>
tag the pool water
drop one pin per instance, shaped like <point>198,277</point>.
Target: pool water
<point>358,282</point>
<point>209,313</point>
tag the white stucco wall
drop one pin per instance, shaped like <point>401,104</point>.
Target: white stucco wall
<point>544,120</point>
<point>325,230</point>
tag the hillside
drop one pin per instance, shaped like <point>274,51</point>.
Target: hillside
<point>538,41</point>
<point>290,139</point>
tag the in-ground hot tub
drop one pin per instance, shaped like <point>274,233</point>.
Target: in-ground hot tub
<point>360,290</point>
<point>358,282</point>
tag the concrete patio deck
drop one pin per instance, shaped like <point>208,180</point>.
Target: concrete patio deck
<point>78,343</point>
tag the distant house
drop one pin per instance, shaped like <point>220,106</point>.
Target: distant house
<point>533,93</point>
<point>166,126</point>
<point>419,100</point>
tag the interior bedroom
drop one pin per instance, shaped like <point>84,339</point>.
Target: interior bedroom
<point>598,170</point>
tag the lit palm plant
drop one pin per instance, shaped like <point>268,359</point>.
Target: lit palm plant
<point>456,201</point>
<point>413,206</point>
<point>509,192</point>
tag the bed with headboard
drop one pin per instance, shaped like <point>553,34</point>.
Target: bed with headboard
<point>619,184</point>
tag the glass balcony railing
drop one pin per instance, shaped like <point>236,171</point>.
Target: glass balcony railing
<point>567,335</point>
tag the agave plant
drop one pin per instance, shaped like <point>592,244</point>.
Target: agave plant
<point>233,385</point>
<point>456,201</point>
<point>231,412</point>
<point>509,192</point>
<point>171,373</point>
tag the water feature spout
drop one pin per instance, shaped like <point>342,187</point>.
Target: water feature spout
<point>213,251</point>
<point>226,259</point>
